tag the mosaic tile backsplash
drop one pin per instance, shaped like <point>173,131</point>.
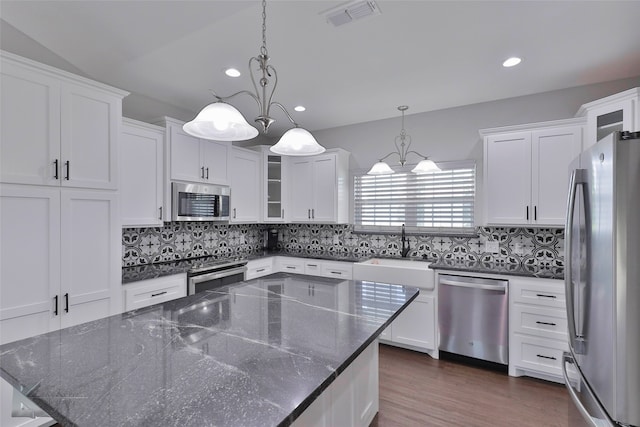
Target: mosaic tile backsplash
<point>542,247</point>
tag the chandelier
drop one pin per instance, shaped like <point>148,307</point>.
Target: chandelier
<point>403,143</point>
<point>221,121</point>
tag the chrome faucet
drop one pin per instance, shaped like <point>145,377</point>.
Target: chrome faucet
<point>405,250</point>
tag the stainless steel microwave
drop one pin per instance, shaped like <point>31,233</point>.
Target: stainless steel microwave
<point>199,202</point>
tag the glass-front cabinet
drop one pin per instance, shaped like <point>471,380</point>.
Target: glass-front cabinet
<point>275,191</point>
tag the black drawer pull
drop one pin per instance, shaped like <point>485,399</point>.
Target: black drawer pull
<point>291,267</point>
<point>336,272</point>
<point>260,270</point>
<point>546,296</point>
<point>55,162</point>
<point>312,265</point>
<point>66,303</point>
<point>545,323</point>
<point>546,357</point>
<point>158,294</point>
<point>55,310</point>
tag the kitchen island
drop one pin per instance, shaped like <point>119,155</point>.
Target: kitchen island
<point>255,353</point>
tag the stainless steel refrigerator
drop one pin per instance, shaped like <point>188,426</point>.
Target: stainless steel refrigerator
<point>602,280</point>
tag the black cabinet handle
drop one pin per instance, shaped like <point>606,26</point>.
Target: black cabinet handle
<point>160,209</point>
<point>158,294</point>
<point>309,213</point>
<point>55,162</point>
<point>66,302</point>
<point>535,213</point>
<point>282,214</point>
<point>527,213</point>
<point>291,267</point>
<point>260,270</point>
<point>202,172</point>
<point>546,296</point>
<point>55,305</point>
<point>545,357</point>
<point>207,173</point>
<point>337,272</point>
<point>68,166</point>
<point>313,213</point>
<point>545,323</point>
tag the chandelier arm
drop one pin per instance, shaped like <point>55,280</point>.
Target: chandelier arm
<point>224,98</point>
<point>253,80</point>
<point>421,155</point>
<point>277,104</point>
<point>400,151</point>
<point>270,69</point>
<point>393,152</point>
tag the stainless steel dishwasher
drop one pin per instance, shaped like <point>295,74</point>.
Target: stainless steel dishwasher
<point>473,317</point>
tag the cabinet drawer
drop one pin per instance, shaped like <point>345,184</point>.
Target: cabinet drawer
<point>341,270</point>
<point>540,321</point>
<point>154,291</point>
<point>259,268</point>
<point>290,265</point>
<point>538,354</point>
<point>313,267</point>
<point>544,292</point>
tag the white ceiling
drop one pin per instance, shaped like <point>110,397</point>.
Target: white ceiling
<point>429,55</point>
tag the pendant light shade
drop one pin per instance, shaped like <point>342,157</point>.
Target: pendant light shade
<point>380,168</point>
<point>221,122</point>
<point>425,166</point>
<point>297,142</point>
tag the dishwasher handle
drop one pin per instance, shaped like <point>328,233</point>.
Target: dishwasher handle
<point>485,287</point>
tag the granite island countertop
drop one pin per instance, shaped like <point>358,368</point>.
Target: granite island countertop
<point>255,353</point>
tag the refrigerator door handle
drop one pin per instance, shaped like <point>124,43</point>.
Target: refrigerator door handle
<point>592,420</point>
<point>575,337</point>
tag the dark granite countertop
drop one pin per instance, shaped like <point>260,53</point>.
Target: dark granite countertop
<point>546,272</point>
<point>252,354</point>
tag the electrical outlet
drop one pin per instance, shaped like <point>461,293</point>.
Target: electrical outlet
<point>492,247</point>
<point>336,239</point>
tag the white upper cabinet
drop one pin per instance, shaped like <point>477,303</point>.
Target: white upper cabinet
<point>141,174</point>
<point>195,160</point>
<point>274,184</point>
<point>617,112</point>
<point>319,187</point>
<point>526,172</point>
<point>245,179</point>
<point>57,129</point>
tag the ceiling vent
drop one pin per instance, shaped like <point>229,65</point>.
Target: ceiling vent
<point>352,12</point>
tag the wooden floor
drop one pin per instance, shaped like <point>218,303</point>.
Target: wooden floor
<point>416,390</point>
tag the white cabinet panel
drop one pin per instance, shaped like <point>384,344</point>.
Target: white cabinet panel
<point>415,326</point>
<point>90,131</point>
<point>29,143</point>
<point>141,174</point>
<point>90,256</point>
<point>301,190</point>
<point>215,158</point>
<point>325,188</point>
<point>259,267</point>
<point>29,261</point>
<point>184,154</point>
<point>245,186</point>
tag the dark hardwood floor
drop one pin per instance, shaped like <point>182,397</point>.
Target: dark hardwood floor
<point>416,390</point>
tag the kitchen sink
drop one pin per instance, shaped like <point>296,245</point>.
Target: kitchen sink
<point>395,271</point>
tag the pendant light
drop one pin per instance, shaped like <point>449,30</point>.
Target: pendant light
<point>221,121</point>
<point>403,143</point>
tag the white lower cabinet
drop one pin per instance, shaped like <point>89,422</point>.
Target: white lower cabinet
<point>144,293</point>
<point>538,332</point>
<point>352,399</point>
<point>287,264</point>
<point>259,267</point>
<point>60,263</point>
<point>415,326</point>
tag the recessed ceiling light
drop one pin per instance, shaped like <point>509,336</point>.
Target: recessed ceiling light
<point>232,72</point>
<point>299,108</point>
<point>514,60</point>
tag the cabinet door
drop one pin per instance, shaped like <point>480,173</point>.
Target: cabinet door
<point>324,186</point>
<point>274,188</point>
<point>29,261</point>
<point>301,190</point>
<point>415,326</point>
<point>245,186</point>
<point>552,152</point>
<point>184,152</point>
<point>507,169</point>
<point>90,125</point>
<point>215,158</point>
<point>141,174</point>
<point>30,131</point>
<point>91,246</point>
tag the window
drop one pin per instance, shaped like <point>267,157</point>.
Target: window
<point>442,199</point>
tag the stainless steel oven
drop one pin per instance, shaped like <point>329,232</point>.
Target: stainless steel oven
<point>214,274</point>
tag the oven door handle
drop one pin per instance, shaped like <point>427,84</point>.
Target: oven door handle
<point>217,274</point>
